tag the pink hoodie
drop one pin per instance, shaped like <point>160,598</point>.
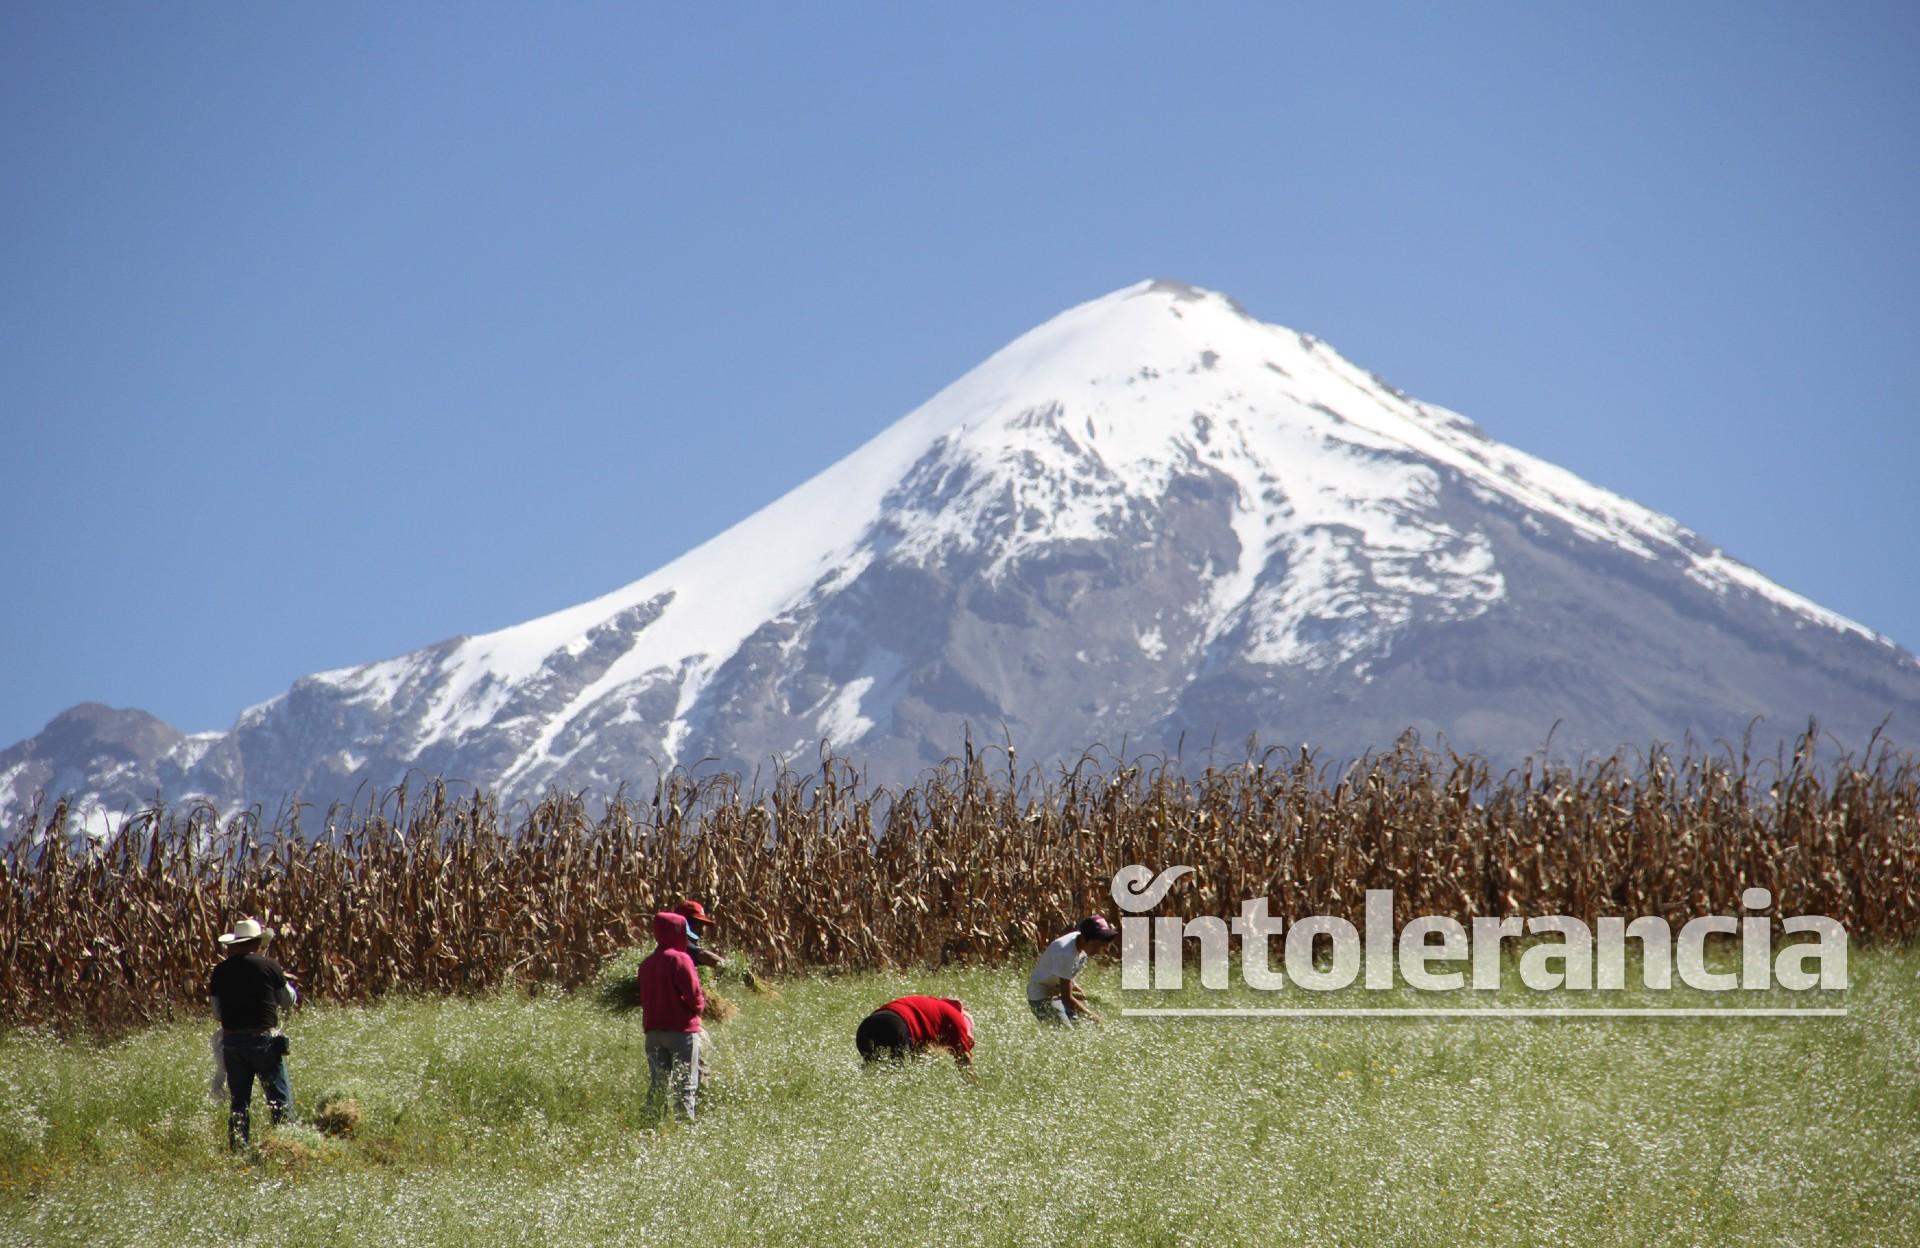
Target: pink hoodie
<point>670,996</point>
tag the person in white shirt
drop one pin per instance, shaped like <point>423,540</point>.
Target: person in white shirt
<point>1053,992</point>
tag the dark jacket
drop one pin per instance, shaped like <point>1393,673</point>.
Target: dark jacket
<point>670,996</point>
<point>244,988</point>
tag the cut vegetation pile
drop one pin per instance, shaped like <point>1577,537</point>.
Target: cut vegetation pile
<point>427,891</point>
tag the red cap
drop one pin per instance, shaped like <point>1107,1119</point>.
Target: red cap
<point>695,911</point>
<point>1096,928</point>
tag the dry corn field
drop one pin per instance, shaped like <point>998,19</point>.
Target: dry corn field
<point>976,863</point>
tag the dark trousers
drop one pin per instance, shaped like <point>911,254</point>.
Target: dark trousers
<point>883,1034</point>
<point>248,1058</point>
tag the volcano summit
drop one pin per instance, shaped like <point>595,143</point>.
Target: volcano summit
<point>1151,520</point>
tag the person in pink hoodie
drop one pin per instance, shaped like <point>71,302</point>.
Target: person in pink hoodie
<point>670,1005</point>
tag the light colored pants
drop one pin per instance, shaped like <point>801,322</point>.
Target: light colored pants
<point>1052,1010</point>
<point>673,1068</point>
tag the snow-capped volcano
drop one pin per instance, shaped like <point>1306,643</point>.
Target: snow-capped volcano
<point>1152,517</point>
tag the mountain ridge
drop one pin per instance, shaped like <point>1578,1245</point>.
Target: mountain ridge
<point>1150,515</point>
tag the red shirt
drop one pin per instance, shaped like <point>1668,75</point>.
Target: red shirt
<point>934,1020</point>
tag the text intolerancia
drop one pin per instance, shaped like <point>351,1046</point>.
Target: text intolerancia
<point>1438,953</point>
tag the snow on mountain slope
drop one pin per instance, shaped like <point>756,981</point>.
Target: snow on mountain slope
<point>1289,412</point>
<point>1349,517</point>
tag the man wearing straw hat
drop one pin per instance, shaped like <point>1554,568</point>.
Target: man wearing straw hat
<point>248,990</point>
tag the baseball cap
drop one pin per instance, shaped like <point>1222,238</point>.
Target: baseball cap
<point>1096,927</point>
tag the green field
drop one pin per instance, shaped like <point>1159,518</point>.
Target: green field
<point>517,1119</point>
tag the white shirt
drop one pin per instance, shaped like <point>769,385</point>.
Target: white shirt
<point>1059,962</point>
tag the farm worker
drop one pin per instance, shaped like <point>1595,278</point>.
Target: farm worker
<point>697,919</point>
<point>248,990</point>
<point>912,1025</point>
<point>1053,993</point>
<point>670,1005</point>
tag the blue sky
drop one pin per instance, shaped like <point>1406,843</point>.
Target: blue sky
<point>329,332</point>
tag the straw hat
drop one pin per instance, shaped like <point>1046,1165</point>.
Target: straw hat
<point>244,931</point>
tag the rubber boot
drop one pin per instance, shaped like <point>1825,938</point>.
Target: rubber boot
<point>277,1112</point>
<point>239,1130</point>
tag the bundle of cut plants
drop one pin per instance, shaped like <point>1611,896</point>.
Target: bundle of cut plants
<point>738,967</point>
<point>718,1008</point>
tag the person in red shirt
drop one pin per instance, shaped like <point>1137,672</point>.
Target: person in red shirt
<point>670,1005</point>
<point>697,921</point>
<point>914,1024</point>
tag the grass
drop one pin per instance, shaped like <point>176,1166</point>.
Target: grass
<point>517,1119</point>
